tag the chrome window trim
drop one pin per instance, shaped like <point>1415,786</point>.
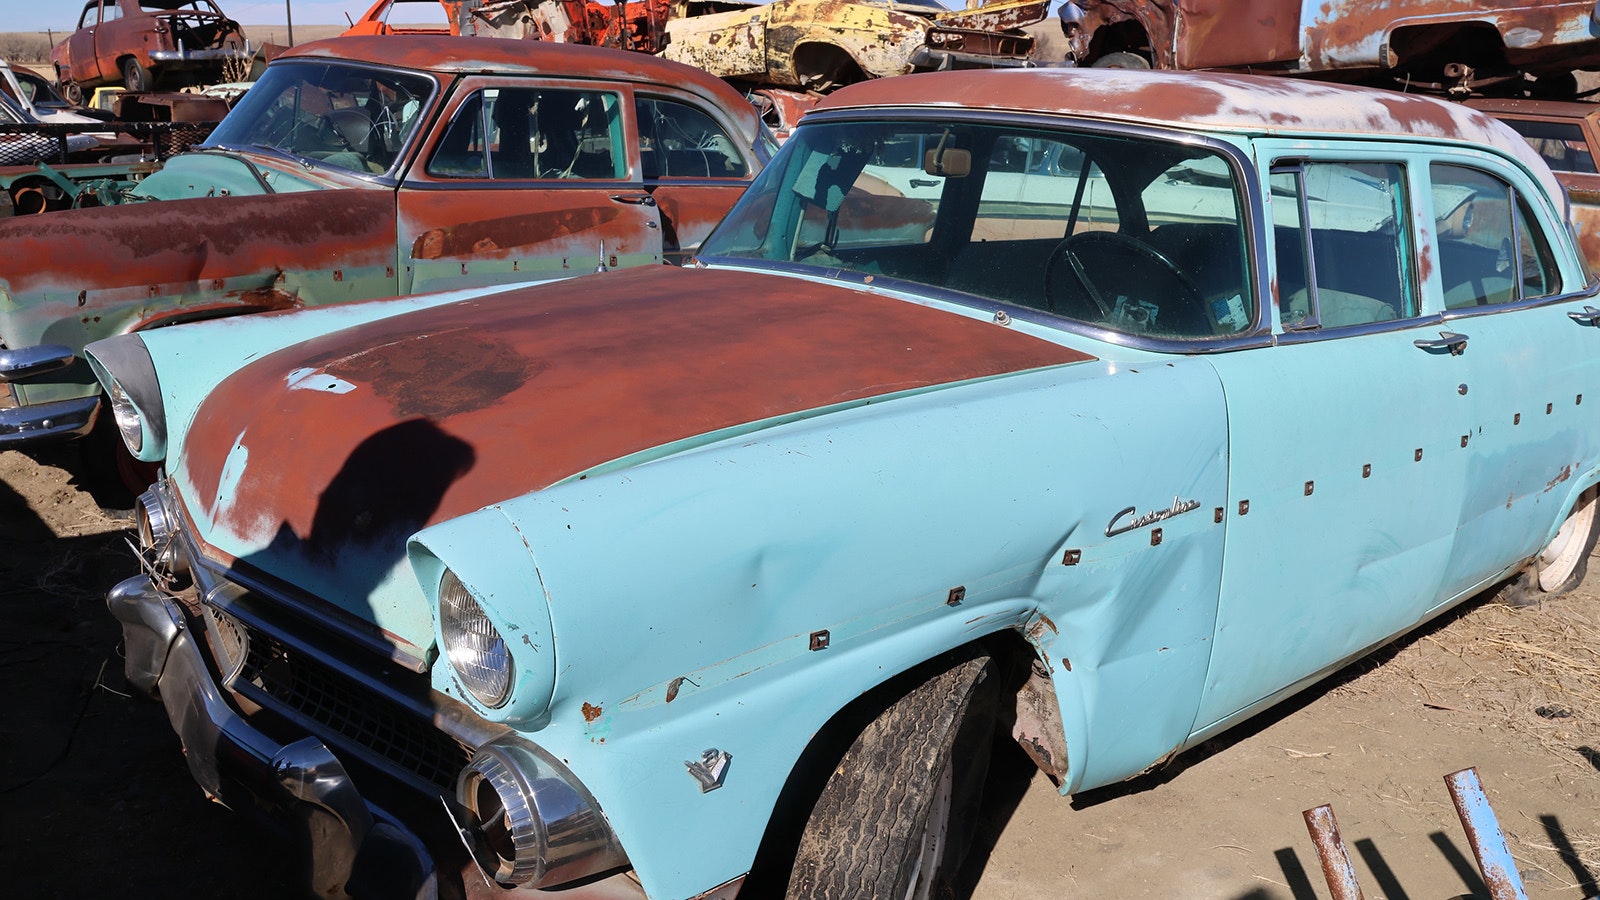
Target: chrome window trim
<point>1252,210</point>
<point>1587,292</point>
<point>1365,328</point>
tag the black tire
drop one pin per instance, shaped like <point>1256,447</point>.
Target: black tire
<point>70,91</point>
<point>1563,563</point>
<point>135,77</point>
<point>1121,59</point>
<point>895,813</point>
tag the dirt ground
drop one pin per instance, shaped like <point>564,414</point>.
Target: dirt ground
<point>95,799</point>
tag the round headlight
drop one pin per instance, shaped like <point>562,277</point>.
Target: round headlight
<point>126,416</point>
<point>475,649</point>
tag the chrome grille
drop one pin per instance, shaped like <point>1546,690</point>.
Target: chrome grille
<point>228,640</point>
<point>278,677</point>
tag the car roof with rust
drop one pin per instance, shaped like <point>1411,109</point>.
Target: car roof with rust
<point>1191,101</point>
<point>450,55</point>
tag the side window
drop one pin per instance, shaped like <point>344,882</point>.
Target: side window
<point>532,134</point>
<point>110,11</point>
<point>678,141</point>
<point>1491,250</point>
<point>1343,244</point>
<point>91,14</point>
<point>1560,143</point>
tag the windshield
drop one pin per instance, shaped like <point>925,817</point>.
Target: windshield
<point>339,115</point>
<point>1136,235</point>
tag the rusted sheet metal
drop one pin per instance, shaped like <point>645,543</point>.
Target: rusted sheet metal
<point>1499,870</point>
<point>1336,866</point>
<point>689,212</point>
<point>91,273</point>
<point>781,109</point>
<point>1350,33</point>
<point>821,44</point>
<point>1202,101</point>
<point>1333,34</point>
<point>375,19</point>
<point>508,393</point>
<point>1005,16</point>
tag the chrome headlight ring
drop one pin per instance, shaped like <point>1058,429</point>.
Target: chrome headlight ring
<point>529,820</point>
<point>157,526</point>
<point>478,654</point>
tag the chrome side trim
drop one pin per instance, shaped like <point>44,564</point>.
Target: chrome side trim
<point>27,362</point>
<point>40,422</point>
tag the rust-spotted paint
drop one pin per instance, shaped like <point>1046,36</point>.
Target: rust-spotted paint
<point>1222,102</point>
<point>134,265</point>
<point>1352,36</point>
<point>512,392</point>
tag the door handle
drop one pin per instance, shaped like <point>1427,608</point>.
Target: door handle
<point>923,182</point>
<point>1447,340</point>
<point>636,200</point>
<point>1589,316</point>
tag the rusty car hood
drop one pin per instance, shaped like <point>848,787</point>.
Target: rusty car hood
<point>318,461</point>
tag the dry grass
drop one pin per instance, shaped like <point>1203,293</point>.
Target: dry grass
<point>1534,675</point>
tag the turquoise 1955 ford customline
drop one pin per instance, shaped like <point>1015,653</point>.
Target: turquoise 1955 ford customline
<point>1096,409</point>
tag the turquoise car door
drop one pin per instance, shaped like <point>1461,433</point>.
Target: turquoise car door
<point>1344,441</point>
<point>1531,359</point>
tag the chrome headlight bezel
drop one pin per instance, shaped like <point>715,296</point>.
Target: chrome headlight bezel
<point>479,656</point>
<point>530,822</point>
<point>126,371</point>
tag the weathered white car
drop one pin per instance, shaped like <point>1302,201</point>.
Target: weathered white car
<point>1099,410</point>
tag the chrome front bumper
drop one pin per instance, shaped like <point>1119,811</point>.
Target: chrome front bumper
<point>35,424</point>
<point>23,424</point>
<point>359,847</point>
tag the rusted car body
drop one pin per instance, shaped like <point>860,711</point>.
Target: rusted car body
<point>823,44</point>
<point>138,42</point>
<point>447,18</point>
<point>781,109</point>
<point>1567,135</point>
<point>1446,43</point>
<point>359,168</point>
<point>639,25</point>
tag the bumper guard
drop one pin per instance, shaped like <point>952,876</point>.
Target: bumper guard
<point>163,660</point>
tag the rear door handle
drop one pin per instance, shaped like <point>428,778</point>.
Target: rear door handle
<point>1589,316</point>
<point>1447,340</point>
<point>923,182</point>
<point>635,199</point>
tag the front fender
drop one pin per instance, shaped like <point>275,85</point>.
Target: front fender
<point>736,596</point>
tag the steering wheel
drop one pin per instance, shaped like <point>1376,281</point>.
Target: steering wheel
<point>1113,251</point>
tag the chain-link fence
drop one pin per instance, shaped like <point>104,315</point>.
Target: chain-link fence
<point>23,145</point>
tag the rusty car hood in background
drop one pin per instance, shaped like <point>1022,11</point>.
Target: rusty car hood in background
<point>471,403</point>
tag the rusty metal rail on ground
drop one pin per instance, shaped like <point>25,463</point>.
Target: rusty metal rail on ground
<point>1489,848</point>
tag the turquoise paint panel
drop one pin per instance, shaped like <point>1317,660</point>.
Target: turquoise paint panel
<point>1346,533</point>
<point>666,580</point>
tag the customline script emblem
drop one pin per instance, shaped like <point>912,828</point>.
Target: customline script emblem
<point>1178,508</point>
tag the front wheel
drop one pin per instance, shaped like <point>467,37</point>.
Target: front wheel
<point>892,819</point>
<point>1562,564</point>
